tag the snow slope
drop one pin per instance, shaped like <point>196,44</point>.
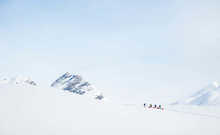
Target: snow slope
<point>209,95</point>
<point>48,111</point>
<point>76,84</point>
<point>19,80</point>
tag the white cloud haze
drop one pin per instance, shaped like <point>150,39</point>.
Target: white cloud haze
<point>142,49</point>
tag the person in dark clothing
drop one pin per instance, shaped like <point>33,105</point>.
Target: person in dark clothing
<point>159,107</point>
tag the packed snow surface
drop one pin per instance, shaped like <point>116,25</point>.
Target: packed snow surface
<point>28,110</point>
<point>76,84</point>
<point>209,95</point>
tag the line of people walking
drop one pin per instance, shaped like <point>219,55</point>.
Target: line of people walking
<point>153,106</point>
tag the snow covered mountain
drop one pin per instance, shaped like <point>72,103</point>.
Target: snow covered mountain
<point>76,84</point>
<point>210,95</point>
<point>19,80</point>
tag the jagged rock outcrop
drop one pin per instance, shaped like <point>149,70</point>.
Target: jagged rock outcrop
<point>76,84</point>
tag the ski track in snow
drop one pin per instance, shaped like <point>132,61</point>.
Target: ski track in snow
<point>137,106</point>
<point>193,113</point>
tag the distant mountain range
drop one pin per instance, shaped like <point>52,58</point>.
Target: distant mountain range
<point>68,82</point>
<point>209,95</point>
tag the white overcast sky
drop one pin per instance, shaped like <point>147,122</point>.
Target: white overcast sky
<point>131,50</point>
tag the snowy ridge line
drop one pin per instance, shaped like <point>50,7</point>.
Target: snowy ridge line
<point>18,80</point>
<point>209,95</point>
<point>192,113</point>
